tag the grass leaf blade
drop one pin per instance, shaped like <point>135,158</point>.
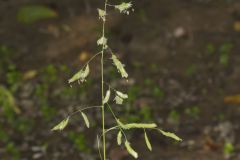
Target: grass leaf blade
<point>120,66</point>
<point>61,125</point>
<point>85,119</point>
<point>106,98</point>
<point>171,135</point>
<point>119,138</point>
<point>147,141</point>
<point>131,150</point>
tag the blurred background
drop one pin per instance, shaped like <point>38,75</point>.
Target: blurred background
<point>184,66</point>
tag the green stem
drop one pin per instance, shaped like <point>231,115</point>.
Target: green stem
<point>116,119</point>
<point>102,87</point>
<point>80,110</point>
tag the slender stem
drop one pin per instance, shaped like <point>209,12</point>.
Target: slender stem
<point>102,86</point>
<point>80,110</point>
<point>91,58</point>
<point>115,117</point>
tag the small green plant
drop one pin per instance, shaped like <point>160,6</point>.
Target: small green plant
<point>225,51</point>
<point>50,74</point>
<point>107,91</point>
<point>193,112</point>
<point>211,49</point>
<point>41,92</point>
<point>228,149</point>
<point>7,104</point>
<point>79,141</point>
<point>191,70</point>
<point>156,91</point>
<point>13,78</point>
<point>3,135</point>
<point>12,149</point>
<point>6,54</point>
<point>33,13</point>
<point>174,116</point>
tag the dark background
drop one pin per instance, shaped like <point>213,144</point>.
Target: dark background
<point>184,65</point>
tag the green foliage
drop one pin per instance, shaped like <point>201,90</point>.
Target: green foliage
<point>174,115</point>
<point>13,151</point>
<point>8,104</point>
<point>13,78</point>
<point>79,140</point>
<point>158,92</point>
<point>47,111</point>
<point>225,51</point>
<point>50,74</point>
<point>146,113</point>
<point>228,149</point>
<point>41,91</point>
<point>155,90</point>
<point>4,135</point>
<point>220,117</point>
<point>113,74</point>
<point>191,70</point>
<point>33,13</point>
<point>133,93</point>
<point>193,112</point>
<point>22,124</point>
<point>211,49</point>
<point>8,71</point>
<point>6,54</point>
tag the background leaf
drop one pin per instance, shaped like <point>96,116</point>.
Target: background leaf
<point>7,100</point>
<point>34,13</point>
